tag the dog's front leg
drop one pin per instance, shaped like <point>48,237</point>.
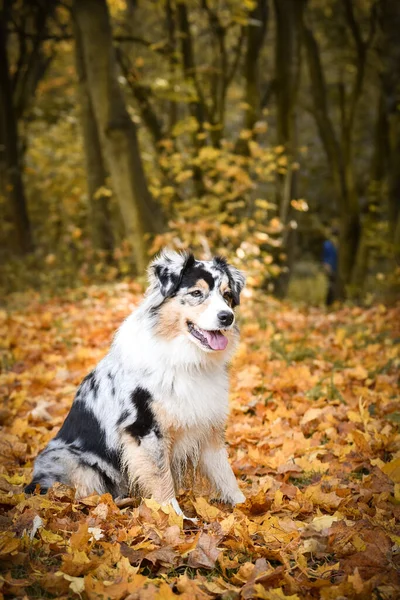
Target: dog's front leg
<point>215,466</point>
<point>147,464</point>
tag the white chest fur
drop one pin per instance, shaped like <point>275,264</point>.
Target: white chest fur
<point>190,399</point>
<point>189,389</point>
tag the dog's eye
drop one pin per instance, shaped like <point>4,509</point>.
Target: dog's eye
<point>196,293</point>
<point>228,297</point>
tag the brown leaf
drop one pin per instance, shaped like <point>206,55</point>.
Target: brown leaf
<point>206,552</point>
<point>164,556</point>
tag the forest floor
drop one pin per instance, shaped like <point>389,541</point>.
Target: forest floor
<point>313,437</point>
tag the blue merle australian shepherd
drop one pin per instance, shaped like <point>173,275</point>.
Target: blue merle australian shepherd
<point>158,402</point>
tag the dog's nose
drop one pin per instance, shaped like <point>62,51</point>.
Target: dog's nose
<point>225,317</point>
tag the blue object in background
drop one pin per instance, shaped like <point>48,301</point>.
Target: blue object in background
<point>329,255</point>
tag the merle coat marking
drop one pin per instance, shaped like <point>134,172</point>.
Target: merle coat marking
<point>159,398</point>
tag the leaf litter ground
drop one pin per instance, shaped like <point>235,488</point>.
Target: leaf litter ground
<point>313,438</point>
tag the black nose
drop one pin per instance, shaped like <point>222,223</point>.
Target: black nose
<point>225,317</point>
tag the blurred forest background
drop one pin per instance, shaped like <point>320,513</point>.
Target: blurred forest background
<point>256,129</point>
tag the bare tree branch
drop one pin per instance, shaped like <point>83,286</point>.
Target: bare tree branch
<point>142,95</point>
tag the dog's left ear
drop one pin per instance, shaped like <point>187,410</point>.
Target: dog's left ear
<point>167,269</point>
<point>236,278</point>
<point>237,282</point>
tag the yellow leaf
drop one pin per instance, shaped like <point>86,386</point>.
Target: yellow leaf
<point>397,492</point>
<point>14,479</point>
<point>173,517</point>
<point>361,441</point>
<point>358,543</point>
<point>77,584</point>
<point>153,505</point>
<point>227,524</point>
<point>354,416</point>
<point>358,373</point>
<point>245,134</point>
<point>324,522</point>
<point>278,498</point>
<point>392,470</point>
<point>51,538</point>
<point>315,494</point>
<point>205,510</point>
<point>340,335</point>
<point>395,538</point>
<point>311,414</point>
<point>9,543</point>
<point>102,192</point>
<point>276,594</point>
<point>184,175</point>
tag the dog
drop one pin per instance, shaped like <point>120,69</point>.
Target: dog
<point>158,402</point>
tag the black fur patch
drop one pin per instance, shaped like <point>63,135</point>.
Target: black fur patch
<point>123,416</point>
<point>91,381</point>
<point>111,378</point>
<point>164,277</point>
<point>30,488</point>
<point>81,424</point>
<point>145,422</point>
<point>170,281</point>
<point>194,274</point>
<point>221,264</point>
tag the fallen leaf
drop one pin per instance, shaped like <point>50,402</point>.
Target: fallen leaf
<point>392,470</point>
<point>205,553</point>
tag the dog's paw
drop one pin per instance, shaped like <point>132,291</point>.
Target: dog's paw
<point>175,505</point>
<point>192,519</point>
<point>237,498</point>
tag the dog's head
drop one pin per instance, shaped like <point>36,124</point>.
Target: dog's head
<point>196,298</point>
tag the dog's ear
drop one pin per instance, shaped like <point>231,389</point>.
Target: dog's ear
<point>237,282</point>
<point>167,269</point>
<point>237,279</point>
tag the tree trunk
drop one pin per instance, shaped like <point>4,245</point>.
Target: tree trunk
<point>390,52</point>
<point>117,131</point>
<point>287,79</point>
<point>256,30</point>
<point>376,193</point>
<point>287,64</point>
<point>349,237</point>
<point>12,162</point>
<point>102,234</point>
<point>396,240</point>
<point>197,108</point>
<point>255,34</point>
<point>342,170</point>
<point>172,61</point>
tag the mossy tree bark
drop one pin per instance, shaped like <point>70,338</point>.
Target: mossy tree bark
<point>142,216</point>
<point>255,33</point>
<point>389,51</point>
<point>102,234</point>
<point>11,161</point>
<point>288,47</point>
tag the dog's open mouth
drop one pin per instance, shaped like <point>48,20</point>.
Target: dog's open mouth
<point>212,340</point>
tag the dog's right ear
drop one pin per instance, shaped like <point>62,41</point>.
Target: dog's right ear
<point>167,269</point>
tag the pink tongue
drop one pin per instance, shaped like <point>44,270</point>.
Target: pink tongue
<point>215,339</point>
